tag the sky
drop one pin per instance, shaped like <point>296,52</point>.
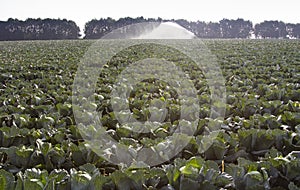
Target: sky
<point>192,10</point>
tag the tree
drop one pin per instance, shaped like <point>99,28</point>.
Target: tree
<point>198,28</point>
<point>235,28</point>
<point>97,28</point>
<point>270,29</point>
<point>296,31</point>
<point>293,30</point>
<point>212,30</point>
<point>38,29</point>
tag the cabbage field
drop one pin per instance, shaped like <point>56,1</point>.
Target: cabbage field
<point>257,145</point>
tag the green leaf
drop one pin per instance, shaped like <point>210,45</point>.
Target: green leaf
<point>80,180</point>
<point>253,179</point>
<point>7,180</point>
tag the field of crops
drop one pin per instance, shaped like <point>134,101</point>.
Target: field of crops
<point>257,147</point>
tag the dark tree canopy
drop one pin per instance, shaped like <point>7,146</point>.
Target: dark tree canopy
<point>55,29</point>
<point>271,29</point>
<point>293,30</point>
<point>96,29</point>
<point>38,29</point>
<point>235,28</point>
<point>224,29</point>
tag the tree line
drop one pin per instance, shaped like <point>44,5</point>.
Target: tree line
<point>38,29</point>
<point>55,29</point>
<point>226,28</point>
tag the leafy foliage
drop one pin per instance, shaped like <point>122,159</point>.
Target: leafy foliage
<point>258,146</point>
